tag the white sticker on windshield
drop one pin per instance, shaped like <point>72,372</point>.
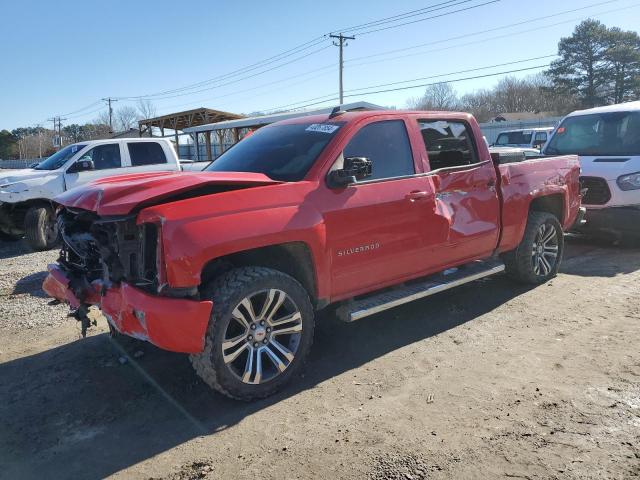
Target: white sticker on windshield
<point>74,149</point>
<point>322,128</point>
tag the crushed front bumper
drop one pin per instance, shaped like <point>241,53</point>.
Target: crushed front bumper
<point>174,324</point>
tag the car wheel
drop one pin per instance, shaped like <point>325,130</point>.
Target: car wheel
<point>41,228</point>
<point>539,255</point>
<point>259,334</point>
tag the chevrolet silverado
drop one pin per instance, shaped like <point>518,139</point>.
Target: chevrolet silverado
<point>362,210</point>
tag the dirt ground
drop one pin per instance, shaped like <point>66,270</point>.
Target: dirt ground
<point>492,380</point>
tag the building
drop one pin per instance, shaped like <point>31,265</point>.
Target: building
<point>229,132</point>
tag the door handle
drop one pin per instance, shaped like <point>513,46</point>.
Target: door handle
<point>416,195</point>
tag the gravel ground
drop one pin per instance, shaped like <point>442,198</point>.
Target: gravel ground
<point>23,304</point>
<point>492,380</point>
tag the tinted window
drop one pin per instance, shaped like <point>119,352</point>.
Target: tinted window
<point>541,137</point>
<point>514,138</point>
<point>387,145</point>
<point>104,156</point>
<point>59,158</point>
<point>281,152</point>
<point>615,133</point>
<point>146,153</point>
<point>448,144</point>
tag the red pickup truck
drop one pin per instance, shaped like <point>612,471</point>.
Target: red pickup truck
<point>361,210</point>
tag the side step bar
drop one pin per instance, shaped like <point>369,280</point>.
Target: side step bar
<point>390,298</point>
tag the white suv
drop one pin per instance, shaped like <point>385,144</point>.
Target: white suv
<point>607,139</point>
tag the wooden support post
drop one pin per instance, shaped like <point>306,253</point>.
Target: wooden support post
<point>197,144</point>
<point>207,136</point>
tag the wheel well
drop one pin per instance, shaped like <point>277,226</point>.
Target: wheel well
<point>294,259</point>
<point>553,204</point>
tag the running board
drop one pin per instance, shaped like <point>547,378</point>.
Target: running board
<point>390,298</point>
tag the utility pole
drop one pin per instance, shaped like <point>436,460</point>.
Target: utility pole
<point>109,100</point>
<point>57,126</point>
<point>340,43</point>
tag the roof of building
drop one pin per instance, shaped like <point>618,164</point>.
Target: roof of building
<point>188,119</point>
<point>262,120</point>
<point>521,116</point>
<point>131,133</point>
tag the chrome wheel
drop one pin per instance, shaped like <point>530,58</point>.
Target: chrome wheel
<point>262,337</point>
<point>545,250</point>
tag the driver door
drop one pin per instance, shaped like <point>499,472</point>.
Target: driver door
<point>107,161</point>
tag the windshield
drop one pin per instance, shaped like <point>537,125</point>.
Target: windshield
<point>59,158</point>
<point>514,138</point>
<point>281,152</point>
<point>614,133</point>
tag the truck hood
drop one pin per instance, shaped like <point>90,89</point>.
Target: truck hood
<point>609,168</point>
<point>22,175</point>
<point>124,194</point>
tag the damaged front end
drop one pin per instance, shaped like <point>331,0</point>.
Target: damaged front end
<point>116,264</point>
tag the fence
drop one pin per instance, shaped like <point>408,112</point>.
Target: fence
<point>12,164</point>
<point>188,152</point>
<point>493,129</point>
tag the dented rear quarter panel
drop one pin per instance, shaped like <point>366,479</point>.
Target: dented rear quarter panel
<point>521,183</point>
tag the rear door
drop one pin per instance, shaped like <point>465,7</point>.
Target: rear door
<point>465,189</point>
<point>107,161</point>
<point>377,229</point>
<point>148,156</point>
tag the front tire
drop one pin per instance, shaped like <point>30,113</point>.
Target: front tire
<point>259,334</point>
<point>41,228</point>
<point>539,255</point>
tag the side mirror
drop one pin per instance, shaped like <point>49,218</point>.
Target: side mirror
<point>81,166</point>
<point>354,169</point>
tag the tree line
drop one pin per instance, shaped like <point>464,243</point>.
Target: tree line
<point>37,142</point>
<point>597,66</point>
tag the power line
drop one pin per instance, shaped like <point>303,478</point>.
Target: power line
<point>428,51</point>
<point>240,71</point>
<point>230,82</point>
<point>524,22</point>
<point>331,96</point>
<point>401,16</point>
<point>429,18</point>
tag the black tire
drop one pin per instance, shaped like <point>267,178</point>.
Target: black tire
<point>521,262</point>
<point>227,292</point>
<point>41,229</point>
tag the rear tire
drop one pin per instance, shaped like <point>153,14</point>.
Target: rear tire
<point>538,257</point>
<point>41,229</point>
<point>251,348</point>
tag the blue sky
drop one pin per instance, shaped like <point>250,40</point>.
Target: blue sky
<point>59,57</point>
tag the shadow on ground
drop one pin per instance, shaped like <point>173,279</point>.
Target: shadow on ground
<point>587,257</point>
<point>75,412</point>
<point>32,285</point>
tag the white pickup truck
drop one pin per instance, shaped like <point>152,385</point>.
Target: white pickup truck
<point>25,195</point>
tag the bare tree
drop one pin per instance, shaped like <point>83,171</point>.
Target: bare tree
<point>102,119</point>
<point>146,109</point>
<point>440,96</point>
<point>126,117</point>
